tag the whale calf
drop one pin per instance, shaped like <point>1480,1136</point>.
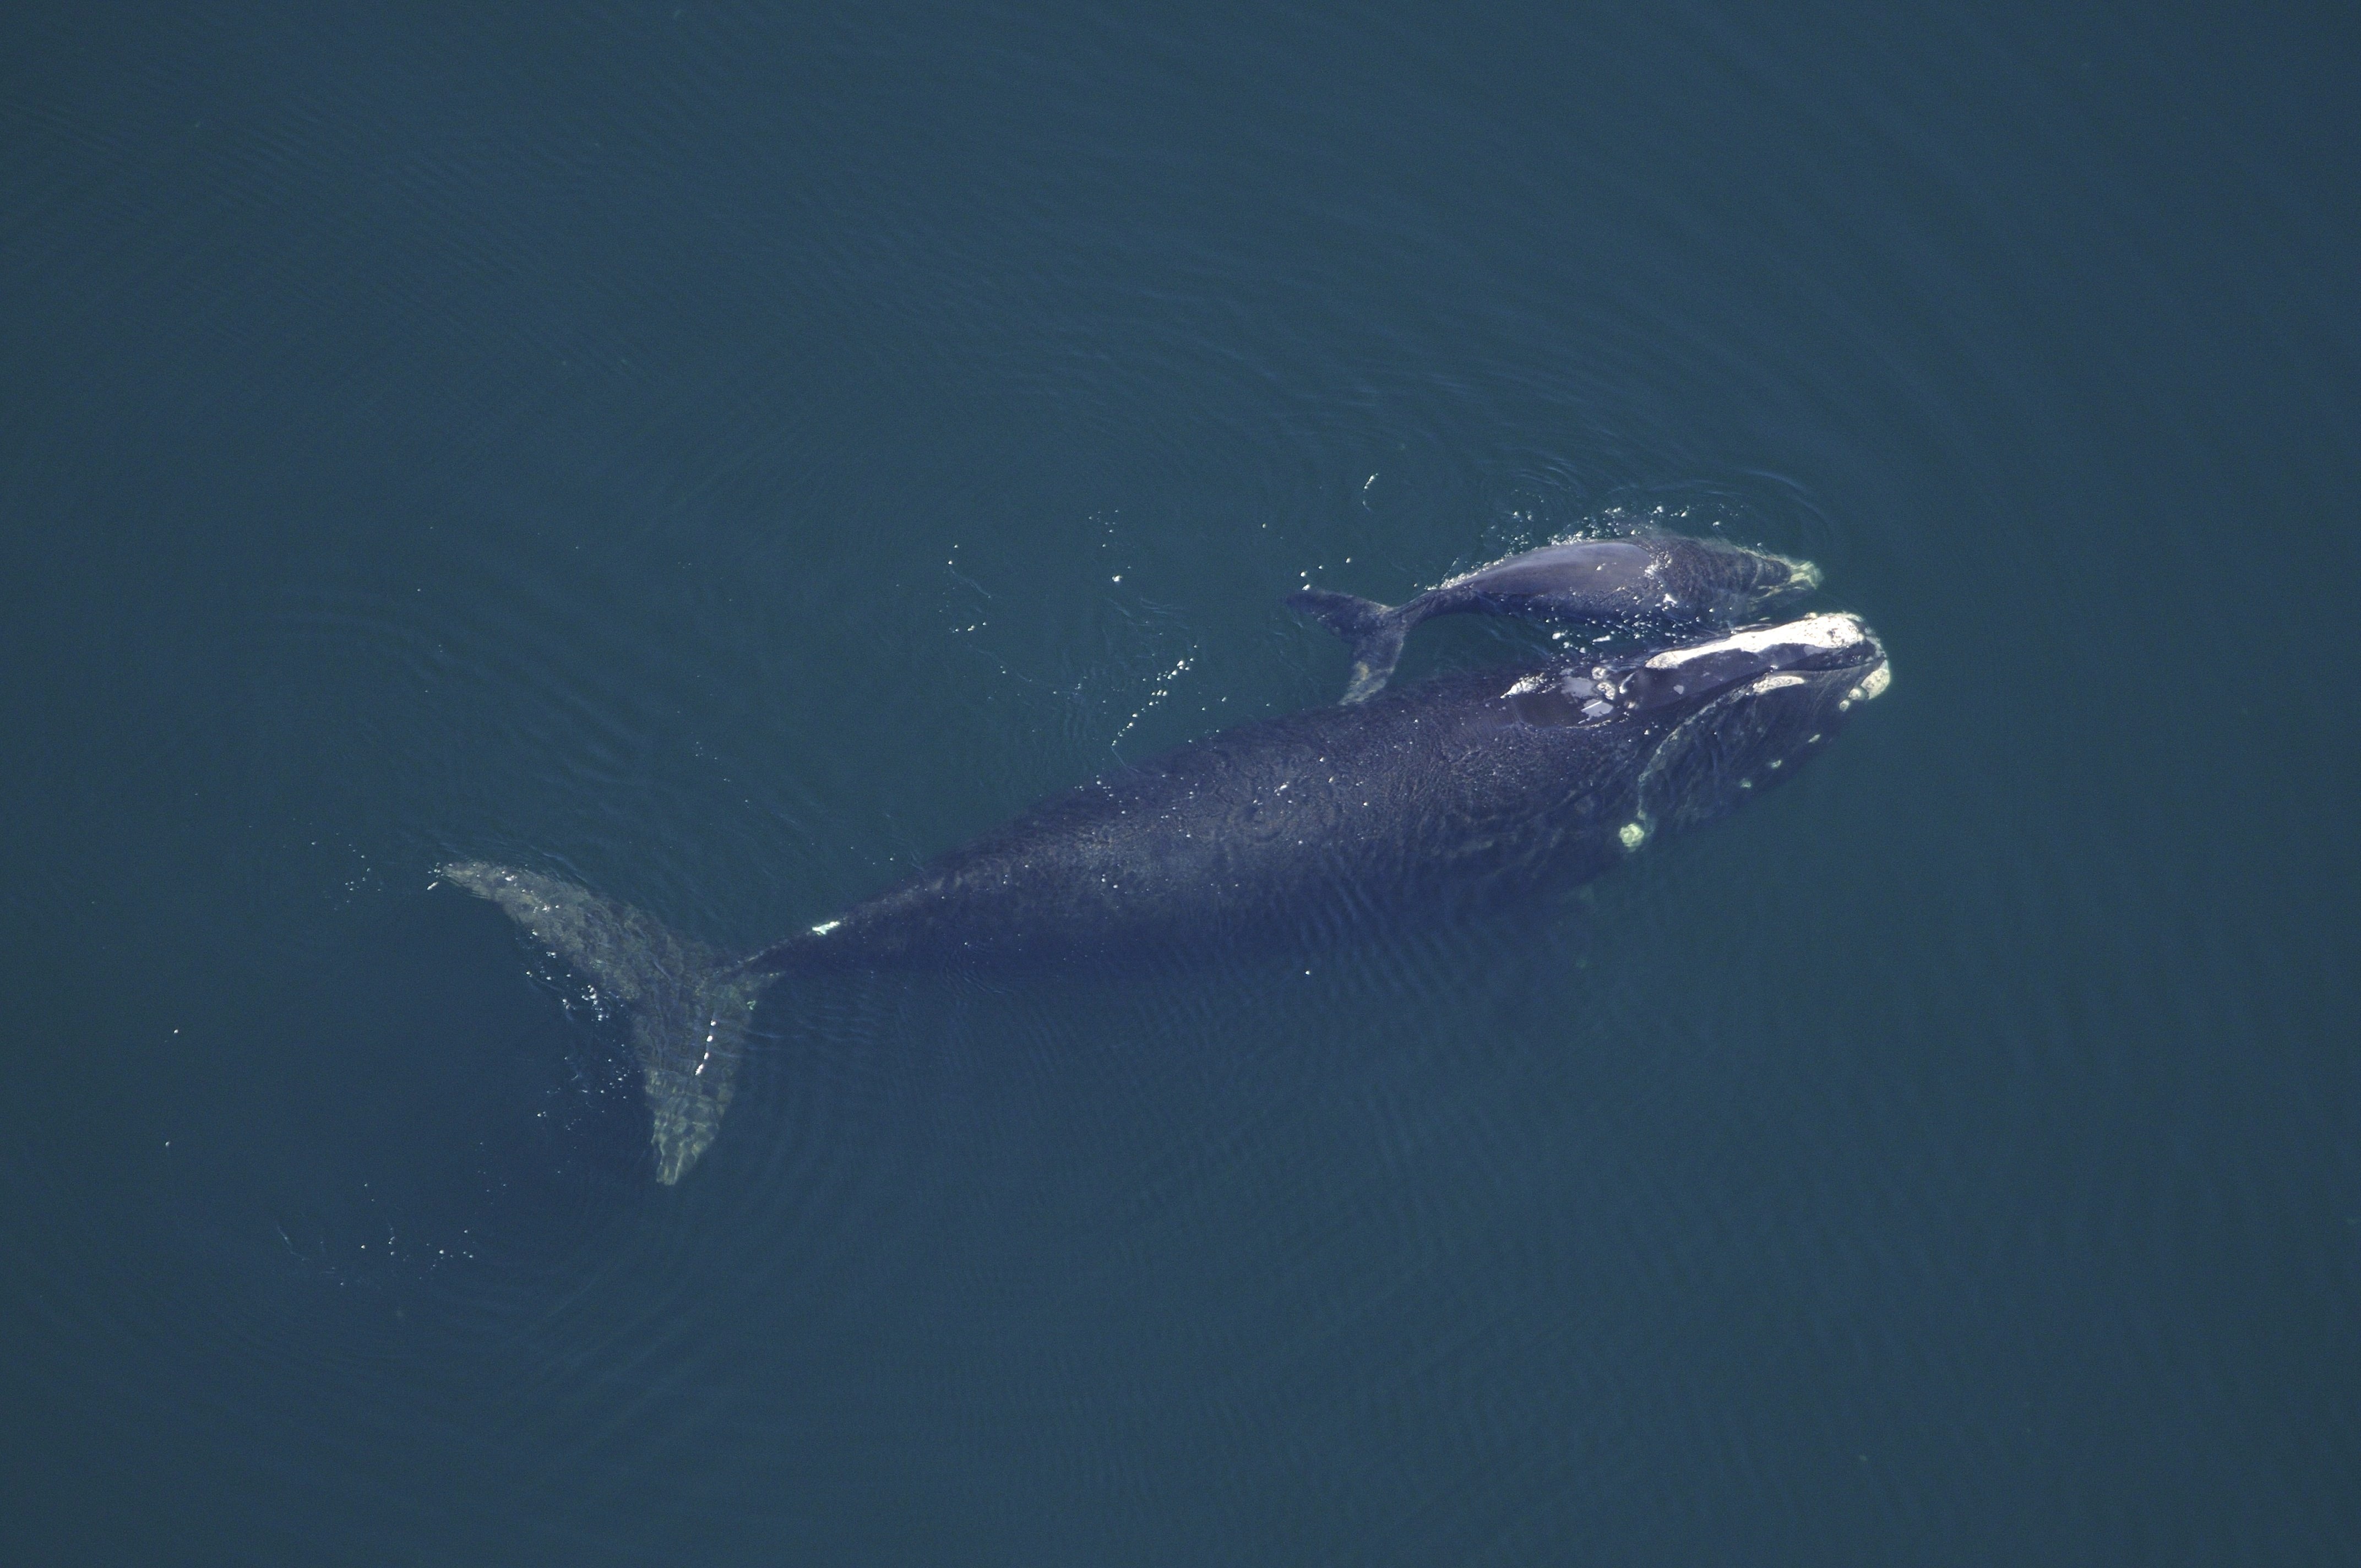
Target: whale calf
<point>1650,580</point>
<point>1471,790</point>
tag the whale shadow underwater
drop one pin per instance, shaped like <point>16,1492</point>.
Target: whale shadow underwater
<point>1470,791</point>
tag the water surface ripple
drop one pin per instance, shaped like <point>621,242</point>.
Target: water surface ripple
<point>726,457</point>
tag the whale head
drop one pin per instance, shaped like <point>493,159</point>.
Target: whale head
<point>1740,713</point>
<point>1726,581</point>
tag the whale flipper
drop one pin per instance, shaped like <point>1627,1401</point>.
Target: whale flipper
<point>688,1007</point>
<point>1375,631</point>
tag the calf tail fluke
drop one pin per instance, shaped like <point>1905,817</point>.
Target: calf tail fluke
<point>1375,631</point>
<point>686,1006</point>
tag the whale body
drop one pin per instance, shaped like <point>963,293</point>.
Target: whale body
<point>1650,581</point>
<point>1472,790</point>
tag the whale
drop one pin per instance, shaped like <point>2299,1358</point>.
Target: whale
<point>1472,791</point>
<point>1644,581</point>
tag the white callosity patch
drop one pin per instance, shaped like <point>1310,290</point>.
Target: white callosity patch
<point>1591,694</point>
<point>1632,834</point>
<point>1826,633</point>
<point>1871,685</point>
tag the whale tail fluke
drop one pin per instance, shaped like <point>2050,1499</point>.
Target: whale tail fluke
<point>685,1005</point>
<point>1374,632</point>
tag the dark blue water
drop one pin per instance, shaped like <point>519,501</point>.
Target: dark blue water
<point>725,457</point>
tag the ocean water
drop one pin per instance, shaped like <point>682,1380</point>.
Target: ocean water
<point>726,455</point>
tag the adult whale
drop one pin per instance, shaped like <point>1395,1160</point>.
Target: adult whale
<point>1651,580</point>
<point>1476,788</point>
